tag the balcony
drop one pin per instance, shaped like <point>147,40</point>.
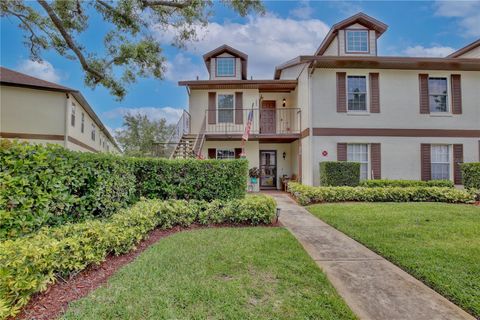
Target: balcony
<point>274,124</point>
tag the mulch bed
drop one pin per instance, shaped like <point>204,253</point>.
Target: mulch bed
<point>53,302</point>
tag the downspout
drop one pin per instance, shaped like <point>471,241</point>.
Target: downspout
<point>65,138</point>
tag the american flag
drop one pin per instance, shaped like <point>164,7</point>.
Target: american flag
<point>248,127</point>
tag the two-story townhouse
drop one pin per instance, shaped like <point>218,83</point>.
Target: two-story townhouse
<point>40,111</point>
<point>400,117</point>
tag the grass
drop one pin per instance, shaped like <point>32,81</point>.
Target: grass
<point>437,243</point>
<point>220,273</point>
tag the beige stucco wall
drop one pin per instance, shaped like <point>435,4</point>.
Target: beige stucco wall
<point>400,156</point>
<point>85,137</point>
<point>25,110</point>
<point>284,166</point>
<point>399,101</point>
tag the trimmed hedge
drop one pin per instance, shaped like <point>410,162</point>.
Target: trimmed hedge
<point>308,194</point>
<point>339,173</point>
<point>406,183</point>
<point>29,264</point>
<point>49,185</point>
<point>471,175</point>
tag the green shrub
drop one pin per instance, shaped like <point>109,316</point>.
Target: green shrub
<point>28,264</point>
<point>308,194</point>
<point>471,175</point>
<point>191,179</point>
<point>49,185</point>
<point>339,173</point>
<point>406,183</point>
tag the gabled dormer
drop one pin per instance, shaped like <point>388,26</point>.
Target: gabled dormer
<point>354,36</point>
<point>226,63</point>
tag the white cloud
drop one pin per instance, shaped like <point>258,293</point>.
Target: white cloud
<point>268,40</point>
<point>183,67</point>
<point>468,13</point>
<point>170,114</point>
<point>303,11</point>
<point>43,70</point>
<point>435,51</point>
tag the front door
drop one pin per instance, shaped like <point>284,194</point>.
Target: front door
<point>268,169</point>
<point>267,117</point>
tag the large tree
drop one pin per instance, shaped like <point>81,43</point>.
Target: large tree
<point>141,137</point>
<point>130,49</point>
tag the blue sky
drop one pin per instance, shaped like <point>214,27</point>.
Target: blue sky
<point>289,28</point>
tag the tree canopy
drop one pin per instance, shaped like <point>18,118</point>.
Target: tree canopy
<point>130,48</point>
<point>142,137</point>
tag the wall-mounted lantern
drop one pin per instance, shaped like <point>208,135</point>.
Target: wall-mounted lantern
<point>284,155</point>
<point>284,102</point>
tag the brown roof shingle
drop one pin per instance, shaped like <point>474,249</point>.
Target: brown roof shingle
<point>11,77</point>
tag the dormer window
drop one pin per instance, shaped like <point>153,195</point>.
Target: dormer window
<point>225,67</point>
<point>357,41</point>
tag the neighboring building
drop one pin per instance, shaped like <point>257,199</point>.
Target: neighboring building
<point>400,117</point>
<point>39,111</point>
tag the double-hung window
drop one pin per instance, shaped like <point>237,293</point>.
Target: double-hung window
<point>82,126</point>
<point>72,115</point>
<point>225,67</point>
<point>358,152</point>
<point>357,93</point>
<point>357,41</point>
<point>93,132</point>
<point>225,108</point>
<point>437,94</point>
<point>225,154</point>
<point>440,162</point>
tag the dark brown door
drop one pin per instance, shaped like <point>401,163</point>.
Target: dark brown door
<point>267,117</point>
<point>268,169</point>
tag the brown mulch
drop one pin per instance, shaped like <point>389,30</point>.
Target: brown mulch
<point>53,302</point>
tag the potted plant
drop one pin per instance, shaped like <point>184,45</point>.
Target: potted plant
<point>254,174</point>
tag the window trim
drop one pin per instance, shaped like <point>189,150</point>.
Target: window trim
<point>367,95</point>
<point>234,67</point>
<point>225,149</point>
<point>448,95</point>
<point>73,117</point>
<point>449,162</point>
<point>233,107</point>
<point>82,124</point>
<point>93,133</point>
<point>357,30</point>
<point>369,160</point>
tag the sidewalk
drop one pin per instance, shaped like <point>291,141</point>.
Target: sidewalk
<point>373,287</point>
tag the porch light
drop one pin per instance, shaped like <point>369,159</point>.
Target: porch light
<point>284,155</point>
<point>284,102</point>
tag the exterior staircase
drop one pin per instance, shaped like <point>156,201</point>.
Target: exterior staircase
<point>185,147</point>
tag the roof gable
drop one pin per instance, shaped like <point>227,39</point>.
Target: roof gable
<point>10,77</point>
<point>227,49</point>
<point>465,49</point>
<point>360,18</point>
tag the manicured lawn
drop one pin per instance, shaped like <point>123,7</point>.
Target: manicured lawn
<point>222,273</point>
<point>437,243</point>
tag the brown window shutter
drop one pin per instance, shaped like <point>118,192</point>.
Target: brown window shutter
<point>238,152</point>
<point>341,92</point>
<point>212,108</point>
<point>456,94</point>
<point>375,149</point>
<point>341,152</point>
<point>423,89</point>
<point>374,93</point>
<point>212,153</point>
<point>457,160</point>
<point>426,164</point>
<point>238,107</point>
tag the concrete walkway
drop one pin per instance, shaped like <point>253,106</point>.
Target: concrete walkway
<point>373,287</point>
